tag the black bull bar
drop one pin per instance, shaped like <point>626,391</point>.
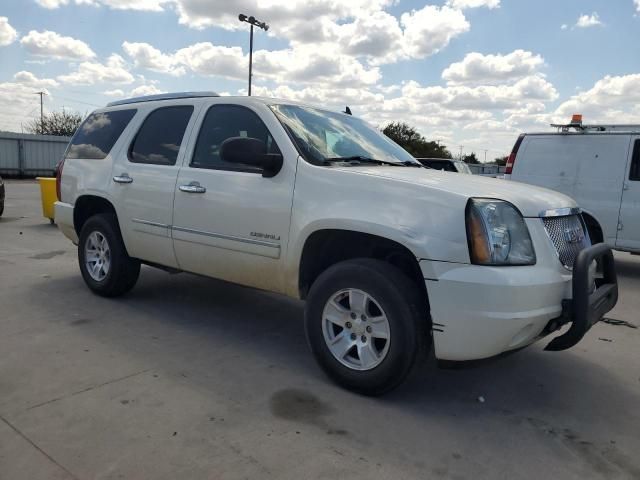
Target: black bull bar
<point>588,305</point>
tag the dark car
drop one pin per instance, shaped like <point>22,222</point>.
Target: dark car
<point>445,164</point>
<point>1,196</point>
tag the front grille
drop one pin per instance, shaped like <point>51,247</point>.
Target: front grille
<point>568,236</point>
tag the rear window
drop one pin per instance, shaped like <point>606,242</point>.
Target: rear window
<point>98,133</point>
<point>159,139</point>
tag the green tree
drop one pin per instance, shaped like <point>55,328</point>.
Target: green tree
<point>63,124</point>
<point>471,158</point>
<point>413,142</point>
<point>501,161</point>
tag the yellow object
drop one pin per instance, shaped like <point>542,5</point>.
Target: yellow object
<point>49,196</point>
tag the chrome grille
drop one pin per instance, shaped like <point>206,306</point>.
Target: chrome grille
<point>568,235</point>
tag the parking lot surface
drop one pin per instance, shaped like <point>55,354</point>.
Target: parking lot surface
<point>188,377</point>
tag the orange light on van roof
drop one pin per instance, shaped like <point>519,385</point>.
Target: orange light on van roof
<point>576,118</point>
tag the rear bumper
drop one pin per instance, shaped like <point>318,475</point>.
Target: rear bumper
<point>64,220</point>
<point>480,312</point>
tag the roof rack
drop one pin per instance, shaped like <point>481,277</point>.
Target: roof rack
<point>596,128</point>
<point>162,96</point>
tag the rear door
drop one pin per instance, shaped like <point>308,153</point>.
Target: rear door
<point>144,180</point>
<point>629,233</point>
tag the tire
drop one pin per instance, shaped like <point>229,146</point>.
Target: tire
<point>391,295</point>
<point>120,271</point>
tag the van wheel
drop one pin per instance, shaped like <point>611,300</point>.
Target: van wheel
<point>365,323</point>
<point>105,265</point>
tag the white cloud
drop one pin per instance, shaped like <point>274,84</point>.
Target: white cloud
<point>146,56</point>
<point>564,26</point>
<point>114,93</point>
<point>29,79</point>
<point>51,4</point>
<point>477,68</point>
<point>605,100</point>
<point>430,29</point>
<point>52,44</point>
<point>19,105</point>
<point>637,3</point>
<point>586,21</point>
<point>7,33</point>
<point>212,60</point>
<point>461,4</point>
<point>144,5</point>
<point>89,73</point>
<point>145,90</point>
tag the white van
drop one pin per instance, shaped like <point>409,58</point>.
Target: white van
<point>597,165</point>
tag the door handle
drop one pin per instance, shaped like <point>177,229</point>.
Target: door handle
<point>192,187</point>
<point>123,178</point>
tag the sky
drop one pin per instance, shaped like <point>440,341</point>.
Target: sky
<point>471,74</point>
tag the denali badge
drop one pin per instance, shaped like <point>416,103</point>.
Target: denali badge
<point>573,235</point>
<point>269,236</point>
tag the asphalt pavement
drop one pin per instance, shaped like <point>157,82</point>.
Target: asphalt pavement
<point>192,378</point>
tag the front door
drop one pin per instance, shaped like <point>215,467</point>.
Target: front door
<point>144,181</point>
<point>229,221</point>
<point>629,226</point>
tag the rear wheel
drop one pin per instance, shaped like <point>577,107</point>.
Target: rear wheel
<point>104,263</point>
<point>365,323</point>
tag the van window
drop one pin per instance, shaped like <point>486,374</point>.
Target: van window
<point>634,172</point>
<point>160,136</point>
<point>228,121</point>
<point>97,135</point>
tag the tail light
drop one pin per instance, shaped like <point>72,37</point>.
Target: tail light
<point>59,178</point>
<point>512,158</point>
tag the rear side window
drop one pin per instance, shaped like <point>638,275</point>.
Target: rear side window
<point>160,136</point>
<point>227,121</point>
<point>634,172</point>
<point>98,133</point>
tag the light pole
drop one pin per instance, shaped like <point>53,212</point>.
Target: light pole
<point>253,22</point>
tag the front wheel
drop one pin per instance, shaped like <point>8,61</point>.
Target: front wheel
<point>104,263</point>
<point>366,323</point>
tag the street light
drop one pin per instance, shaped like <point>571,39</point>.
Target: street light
<point>253,22</point>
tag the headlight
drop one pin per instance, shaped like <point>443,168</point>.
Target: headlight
<point>497,234</point>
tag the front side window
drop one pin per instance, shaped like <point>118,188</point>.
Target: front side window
<point>97,135</point>
<point>227,121</point>
<point>634,172</point>
<point>160,136</point>
<point>323,136</point>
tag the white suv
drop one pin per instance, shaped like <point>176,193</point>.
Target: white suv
<point>390,257</point>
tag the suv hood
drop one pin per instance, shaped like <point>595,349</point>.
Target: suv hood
<point>530,200</point>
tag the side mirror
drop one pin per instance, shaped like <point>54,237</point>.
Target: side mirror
<point>251,151</point>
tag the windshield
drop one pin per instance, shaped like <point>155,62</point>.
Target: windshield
<point>321,136</point>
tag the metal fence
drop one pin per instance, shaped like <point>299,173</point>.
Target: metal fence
<point>487,169</point>
<point>25,155</point>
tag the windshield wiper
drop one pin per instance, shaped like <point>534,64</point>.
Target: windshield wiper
<point>362,159</point>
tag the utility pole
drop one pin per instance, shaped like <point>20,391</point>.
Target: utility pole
<point>42,94</point>
<point>253,22</point>
<point>485,156</point>
<point>461,148</point>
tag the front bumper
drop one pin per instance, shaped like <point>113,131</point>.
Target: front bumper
<point>591,298</point>
<point>479,312</point>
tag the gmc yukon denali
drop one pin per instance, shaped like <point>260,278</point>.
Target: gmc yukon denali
<point>393,259</point>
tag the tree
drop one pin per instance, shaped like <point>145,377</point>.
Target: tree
<point>63,124</point>
<point>501,161</point>
<point>471,159</point>
<point>413,142</point>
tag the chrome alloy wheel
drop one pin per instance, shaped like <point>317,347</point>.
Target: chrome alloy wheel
<point>97,256</point>
<point>356,329</point>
